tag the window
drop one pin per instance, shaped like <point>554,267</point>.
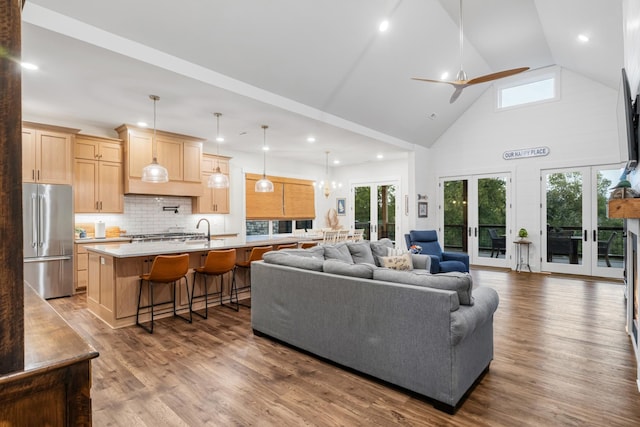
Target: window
<point>540,88</point>
<point>262,228</point>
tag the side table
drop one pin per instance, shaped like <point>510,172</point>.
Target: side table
<point>521,246</point>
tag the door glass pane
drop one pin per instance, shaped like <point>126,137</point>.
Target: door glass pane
<point>387,212</point>
<point>362,210</point>
<point>610,242</point>
<point>492,217</point>
<point>564,217</point>
<point>455,216</point>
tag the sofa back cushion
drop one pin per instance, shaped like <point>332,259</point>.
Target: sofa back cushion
<point>314,252</point>
<point>338,251</point>
<point>293,260</point>
<point>461,283</point>
<point>361,252</point>
<point>379,249</point>
<point>362,270</point>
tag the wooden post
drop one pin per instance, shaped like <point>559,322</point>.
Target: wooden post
<point>11,257</point>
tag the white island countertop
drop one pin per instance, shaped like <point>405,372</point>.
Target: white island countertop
<point>141,249</point>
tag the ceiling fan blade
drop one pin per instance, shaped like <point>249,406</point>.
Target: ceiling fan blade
<point>496,76</point>
<point>456,94</point>
<point>433,81</point>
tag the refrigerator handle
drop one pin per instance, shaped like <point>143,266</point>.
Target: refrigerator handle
<point>34,221</point>
<point>41,230</point>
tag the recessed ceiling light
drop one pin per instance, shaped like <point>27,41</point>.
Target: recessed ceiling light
<point>143,124</point>
<point>384,26</point>
<point>265,148</point>
<point>433,116</point>
<point>29,66</point>
<point>336,162</point>
<point>380,156</point>
<point>220,138</point>
<point>311,139</point>
<point>444,76</point>
<point>583,38</point>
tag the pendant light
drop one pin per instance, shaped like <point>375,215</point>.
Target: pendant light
<point>264,185</point>
<point>217,179</point>
<point>154,172</point>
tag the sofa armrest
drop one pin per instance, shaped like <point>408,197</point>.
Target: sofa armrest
<point>456,256</point>
<point>421,262</point>
<point>467,318</point>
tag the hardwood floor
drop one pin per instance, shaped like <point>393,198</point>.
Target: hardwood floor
<point>562,357</point>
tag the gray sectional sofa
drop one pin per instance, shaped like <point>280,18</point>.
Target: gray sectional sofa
<point>430,334</point>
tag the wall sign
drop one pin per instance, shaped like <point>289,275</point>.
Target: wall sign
<point>525,152</point>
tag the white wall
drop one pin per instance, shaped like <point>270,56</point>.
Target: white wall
<point>580,129</point>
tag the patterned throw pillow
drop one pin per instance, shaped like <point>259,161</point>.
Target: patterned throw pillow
<point>397,262</point>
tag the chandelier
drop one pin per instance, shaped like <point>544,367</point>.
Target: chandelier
<point>327,186</point>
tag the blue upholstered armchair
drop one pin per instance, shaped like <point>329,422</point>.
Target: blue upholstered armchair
<point>441,262</point>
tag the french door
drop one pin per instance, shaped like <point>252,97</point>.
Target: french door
<point>375,209</point>
<point>577,236</point>
<point>474,217</point>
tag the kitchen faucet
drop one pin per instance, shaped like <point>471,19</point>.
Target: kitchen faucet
<point>208,228</point>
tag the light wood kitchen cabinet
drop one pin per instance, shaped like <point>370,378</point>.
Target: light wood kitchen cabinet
<point>81,270</point>
<point>180,154</point>
<point>47,153</point>
<point>98,175</point>
<point>213,200</point>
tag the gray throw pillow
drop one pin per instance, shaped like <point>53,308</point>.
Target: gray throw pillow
<point>461,283</point>
<point>339,251</point>
<point>361,252</point>
<point>334,266</point>
<point>290,260</point>
<point>379,249</point>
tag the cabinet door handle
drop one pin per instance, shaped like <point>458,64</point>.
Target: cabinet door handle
<point>33,174</point>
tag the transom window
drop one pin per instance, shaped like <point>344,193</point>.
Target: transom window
<point>539,89</point>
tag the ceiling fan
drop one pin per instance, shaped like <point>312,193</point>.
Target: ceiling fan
<point>461,78</point>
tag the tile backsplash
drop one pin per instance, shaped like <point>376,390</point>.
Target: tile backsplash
<point>145,214</point>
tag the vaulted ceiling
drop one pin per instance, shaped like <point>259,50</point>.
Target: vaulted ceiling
<point>303,67</point>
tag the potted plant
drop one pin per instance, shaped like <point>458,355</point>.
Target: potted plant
<point>523,233</point>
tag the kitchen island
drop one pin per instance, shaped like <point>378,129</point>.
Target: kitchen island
<point>114,275</point>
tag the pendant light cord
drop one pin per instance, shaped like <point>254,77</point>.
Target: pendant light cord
<point>264,152</point>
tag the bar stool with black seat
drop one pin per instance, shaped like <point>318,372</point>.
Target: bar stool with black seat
<point>217,264</point>
<point>255,255</point>
<point>165,269</point>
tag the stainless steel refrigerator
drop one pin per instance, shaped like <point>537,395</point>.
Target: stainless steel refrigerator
<point>47,217</point>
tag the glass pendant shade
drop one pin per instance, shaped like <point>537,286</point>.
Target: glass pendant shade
<point>264,185</point>
<point>154,172</point>
<point>218,180</point>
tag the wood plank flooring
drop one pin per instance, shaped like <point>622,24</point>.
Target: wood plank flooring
<point>562,358</point>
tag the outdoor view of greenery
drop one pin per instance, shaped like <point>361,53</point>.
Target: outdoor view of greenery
<point>386,210</point>
<point>564,210</point>
<point>492,195</point>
